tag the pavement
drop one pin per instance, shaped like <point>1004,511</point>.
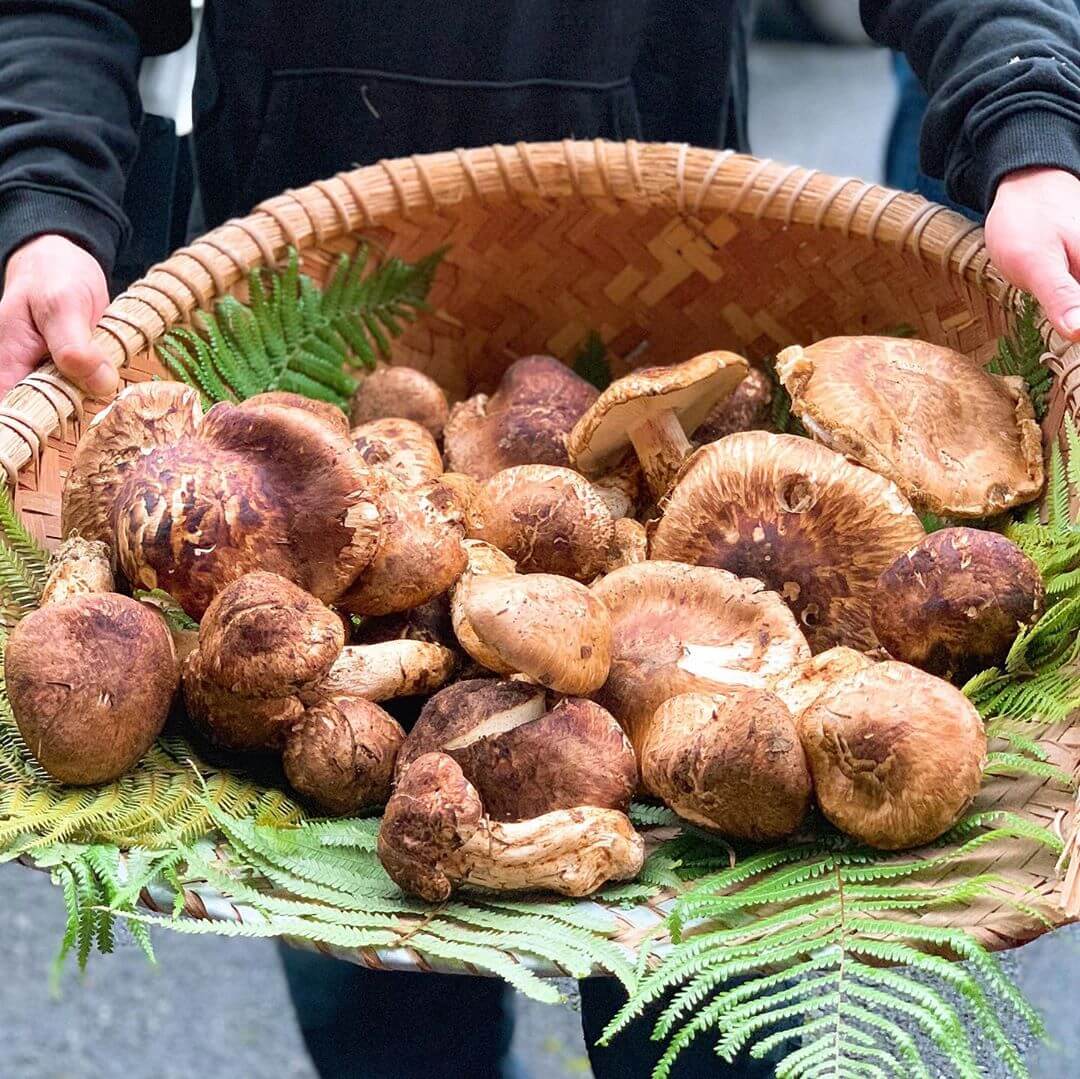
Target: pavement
<point>219,1008</point>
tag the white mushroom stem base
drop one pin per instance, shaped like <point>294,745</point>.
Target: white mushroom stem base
<point>569,851</point>
<point>380,672</point>
<point>662,446</point>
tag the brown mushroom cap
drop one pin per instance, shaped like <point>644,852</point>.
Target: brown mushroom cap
<point>464,487</point>
<point>90,681</point>
<point>402,392</point>
<point>896,754</point>
<point>400,447</point>
<point>680,629</point>
<point>78,567</point>
<point>420,553</point>
<point>265,487</point>
<point>526,422</point>
<point>143,415</point>
<point>550,628</point>
<point>548,519</point>
<point>954,603</point>
<point>522,757</point>
<point>956,440</point>
<point>330,414</point>
<point>749,408</point>
<point>730,761</point>
<point>800,687</point>
<point>629,545</point>
<point>340,755</point>
<point>810,524</point>
<point>654,409</point>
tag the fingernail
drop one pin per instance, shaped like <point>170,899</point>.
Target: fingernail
<point>102,381</point>
<point>1070,322</point>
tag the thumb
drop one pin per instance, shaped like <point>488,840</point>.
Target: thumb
<point>1051,281</point>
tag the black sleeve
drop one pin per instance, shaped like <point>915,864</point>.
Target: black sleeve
<point>1003,78</point>
<point>69,115</point>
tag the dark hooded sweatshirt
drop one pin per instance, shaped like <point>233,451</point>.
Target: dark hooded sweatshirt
<point>289,92</point>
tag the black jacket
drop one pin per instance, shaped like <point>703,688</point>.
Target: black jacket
<point>289,92</point>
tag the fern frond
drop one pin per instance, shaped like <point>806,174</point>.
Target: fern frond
<point>1022,355</point>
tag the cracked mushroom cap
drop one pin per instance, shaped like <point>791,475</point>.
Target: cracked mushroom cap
<point>330,414</point>
<point>250,488</point>
<point>549,628</point>
<point>400,447</point>
<point>90,681</point>
<point>401,392</point>
<point>814,527</point>
<point>896,754</point>
<point>525,422</point>
<point>679,629</point>
<point>955,602</point>
<point>524,758</point>
<point>800,687</point>
<point>956,440</point>
<point>548,519</point>
<point>730,761</point>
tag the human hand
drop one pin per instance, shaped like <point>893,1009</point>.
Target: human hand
<point>1033,236</point>
<point>54,294</point>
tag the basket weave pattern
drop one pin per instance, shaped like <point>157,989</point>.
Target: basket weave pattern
<point>666,251</point>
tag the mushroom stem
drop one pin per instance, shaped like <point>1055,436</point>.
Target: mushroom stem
<point>662,446</point>
<point>380,672</point>
<point>79,567</point>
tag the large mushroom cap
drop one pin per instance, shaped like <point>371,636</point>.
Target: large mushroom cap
<point>813,526</point>
<point>265,487</point>
<point>678,629</point>
<point>400,447</point>
<point>956,440</point>
<point>730,761</point>
<point>548,519</point>
<point>330,414</point>
<point>90,681</point>
<point>896,754</point>
<point>403,392</point>
<point>955,602</point>
<point>526,422</point>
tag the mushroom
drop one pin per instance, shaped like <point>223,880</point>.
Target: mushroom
<point>429,622</point>
<point>551,629</point>
<point>90,679</point>
<point>896,754</point>
<point>465,488</point>
<point>800,687</point>
<point>194,502</point>
<point>654,409</point>
<point>481,559</point>
<point>954,603</point>
<point>78,567</point>
<point>380,672</point>
<point>402,448</point>
<point>330,414</point>
<point>959,442</point>
<point>401,392</point>
<point>629,544</point>
<point>435,836</point>
<point>729,761</point>
<point>524,756</point>
<point>525,422</point>
<point>749,408</point>
<point>813,526</point>
<point>680,629</point>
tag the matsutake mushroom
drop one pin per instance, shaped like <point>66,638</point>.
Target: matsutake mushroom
<point>811,525</point>
<point>399,392</point>
<point>955,439</point>
<point>800,687</point>
<point>78,567</point>
<point>749,408</point>
<point>435,836</point>
<point>654,410</point>
<point>896,754</point>
<point>330,414</point>
<point>400,447</point>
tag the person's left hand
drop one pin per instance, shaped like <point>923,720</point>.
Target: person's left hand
<point>1033,236</point>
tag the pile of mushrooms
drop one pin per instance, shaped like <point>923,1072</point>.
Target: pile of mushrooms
<point>643,591</point>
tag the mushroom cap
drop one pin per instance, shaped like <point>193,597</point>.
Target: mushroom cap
<point>896,754</point>
<point>630,543</point>
<point>464,487</point>
<point>330,414</point>
<point>90,681</point>
<point>800,687</point>
<point>954,603</point>
<point>420,553</point>
<point>403,392</point>
<point>525,422</point>
<point>956,440</point>
<point>143,415</point>
<point>729,761</point>
<point>749,408</point>
<point>340,755</point>
<point>552,629</point>
<point>679,629</point>
<point>810,524</point>
<point>522,758</point>
<point>434,810</point>
<point>262,636</point>
<point>548,519</point>
<point>690,389</point>
<point>256,488</point>
<point>403,448</point>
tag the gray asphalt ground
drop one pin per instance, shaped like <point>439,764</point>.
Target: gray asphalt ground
<point>219,1009</point>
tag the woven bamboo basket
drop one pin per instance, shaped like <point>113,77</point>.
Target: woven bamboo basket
<point>665,250</point>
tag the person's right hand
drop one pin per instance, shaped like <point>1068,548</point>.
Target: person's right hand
<point>54,294</point>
